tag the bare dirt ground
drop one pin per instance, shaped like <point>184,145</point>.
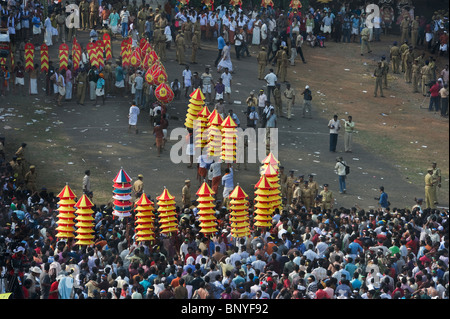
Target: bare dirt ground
<point>394,144</point>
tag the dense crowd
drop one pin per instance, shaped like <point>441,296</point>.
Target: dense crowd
<point>309,252</point>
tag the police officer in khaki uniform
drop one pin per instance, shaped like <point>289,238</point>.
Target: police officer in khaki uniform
<point>186,193</point>
<point>195,46</point>
<point>84,10</point>
<point>262,62</point>
<point>429,200</point>
<point>436,181</point>
<point>297,192</point>
<point>181,46</point>
<point>81,84</point>
<point>30,179</point>
<point>313,186</point>
<point>21,151</point>
<point>198,28</point>
<point>108,75</point>
<point>327,198</point>
<point>289,94</point>
<point>403,48</point>
<point>141,18</point>
<point>404,26</point>
<point>365,40</point>
<point>186,28</point>
<point>93,14</point>
<point>290,183</point>
<point>378,73</point>
<point>408,64</point>
<point>425,73</point>
<point>307,197</point>
<point>395,58</point>
<point>61,22</point>
<point>162,45</point>
<point>138,186</point>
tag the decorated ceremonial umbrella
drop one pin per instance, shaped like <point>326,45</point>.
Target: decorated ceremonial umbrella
<point>240,226</point>
<point>144,219</point>
<point>108,49</point>
<point>200,127</point>
<point>195,106</point>
<point>85,225</point>
<point>273,177</point>
<point>164,93</point>
<point>208,222</point>
<point>167,213</point>
<point>66,209</point>
<point>264,199</point>
<point>214,133</point>
<point>295,4</point>
<point>267,3</point>
<point>229,138</point>
<point>122,195</point>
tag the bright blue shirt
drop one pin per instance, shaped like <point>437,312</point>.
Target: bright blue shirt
<point>384,200</point>
<point>351,269</point>
<point>220,43</point>
<point>355,248</point>
<point>227,179</point>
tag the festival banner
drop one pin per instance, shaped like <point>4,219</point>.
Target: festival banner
<point>29,57</point>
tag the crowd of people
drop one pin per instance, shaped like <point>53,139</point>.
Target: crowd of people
<point>312,250</point>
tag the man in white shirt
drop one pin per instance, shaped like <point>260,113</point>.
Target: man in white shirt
<point>340,168</point>
<point>271,80</point>
<point>334,125</point>
<point>226,80</point>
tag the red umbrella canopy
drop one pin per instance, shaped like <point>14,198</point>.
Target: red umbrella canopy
<point>149,77</point>
<point>159,75</point>
<point>164,93</point>
<point>135,59</point>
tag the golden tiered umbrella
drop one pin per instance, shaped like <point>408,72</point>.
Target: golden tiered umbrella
<point>264,201</point>
<point>273,177</point>
<point>144,219</point>
<point>208,222</point>
<point>167,214</point>
<point>66,215</point>
<point>229,137</point>
<point>122,195</point>
<point>85,221</point>
<point>201,128</point>
<point>214,132</point>
<point>240,226</point>
<point>196,104</point>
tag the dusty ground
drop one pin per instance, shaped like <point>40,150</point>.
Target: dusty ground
<point>392,150</point>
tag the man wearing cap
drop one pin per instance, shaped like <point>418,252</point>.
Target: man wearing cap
<point>327,198</point>
<point>313,186</point>
<point>262,62</point>
<point>289,94</point>
<point>277,100</point>
<point>30,179</point>
<point>80,82</point>
<point>429,184</point>
<point>404,26</point>
<point>34,290</point>
<point>436,176</point>
<point>186,194</point>
<point>290,180</point>
<point>138,186</point>
<point>307,195</point>
<point>180,47</point>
